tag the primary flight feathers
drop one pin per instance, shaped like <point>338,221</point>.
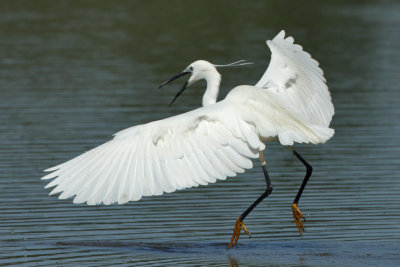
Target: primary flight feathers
<point>291,103</point>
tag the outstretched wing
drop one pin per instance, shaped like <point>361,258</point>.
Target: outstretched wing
<point>208,143</point>
<point>297,82</point>
<point>191,149</point>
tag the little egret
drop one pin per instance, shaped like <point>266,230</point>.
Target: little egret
<point>291,103</point>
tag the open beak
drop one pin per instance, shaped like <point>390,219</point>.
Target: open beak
<point>179,93</point>
<point>173,79</point>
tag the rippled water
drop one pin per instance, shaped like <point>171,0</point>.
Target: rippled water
<point>73,73</point>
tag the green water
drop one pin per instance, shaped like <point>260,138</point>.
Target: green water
<point>72,73</point>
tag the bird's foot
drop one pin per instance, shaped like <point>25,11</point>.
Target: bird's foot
<point>298,216</point>
<point>236,232</point>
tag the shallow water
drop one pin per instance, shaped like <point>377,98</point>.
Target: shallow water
<point>74,73</point>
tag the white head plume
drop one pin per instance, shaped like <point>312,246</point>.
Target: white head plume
<point>241,62</point>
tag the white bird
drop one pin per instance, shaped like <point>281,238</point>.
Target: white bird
<point>291,103</point>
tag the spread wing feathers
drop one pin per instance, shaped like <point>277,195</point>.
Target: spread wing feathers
<point>297,82</point>
<point>270,119</point>
<point>187,150</point>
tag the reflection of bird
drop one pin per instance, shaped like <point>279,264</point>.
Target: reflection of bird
<point>291,103</point>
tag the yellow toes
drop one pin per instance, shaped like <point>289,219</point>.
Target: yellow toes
<point>239,225</point>
<point>298,216</point>
<point>236,232</point>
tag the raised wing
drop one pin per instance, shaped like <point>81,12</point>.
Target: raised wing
<point>191,149</point>
<point>209,143</point>
<point>297,82</point>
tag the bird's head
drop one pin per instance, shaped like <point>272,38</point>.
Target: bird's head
<point>199,70</point>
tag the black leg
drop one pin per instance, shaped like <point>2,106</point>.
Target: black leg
<point>266,193</point>
<point>309,170</point>
<point>239,222</point>
<point>297,215</point>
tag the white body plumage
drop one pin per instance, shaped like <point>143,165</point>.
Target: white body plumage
<point>291,103</point>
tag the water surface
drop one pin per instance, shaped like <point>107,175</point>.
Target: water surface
<point>72,73</point>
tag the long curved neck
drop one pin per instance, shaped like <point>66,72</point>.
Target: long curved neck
<point>213,80</point>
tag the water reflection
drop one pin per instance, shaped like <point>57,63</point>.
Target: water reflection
<point>72,73</point>
<point>232,261</point>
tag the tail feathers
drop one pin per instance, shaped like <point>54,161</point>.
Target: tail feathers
<point>314,135</point>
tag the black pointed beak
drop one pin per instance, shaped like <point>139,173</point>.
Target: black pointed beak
<point>175,77</point>
<point>179,93</point>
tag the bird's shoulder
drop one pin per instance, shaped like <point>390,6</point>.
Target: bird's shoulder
<point>181,123</point>
<point>242,93</point>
